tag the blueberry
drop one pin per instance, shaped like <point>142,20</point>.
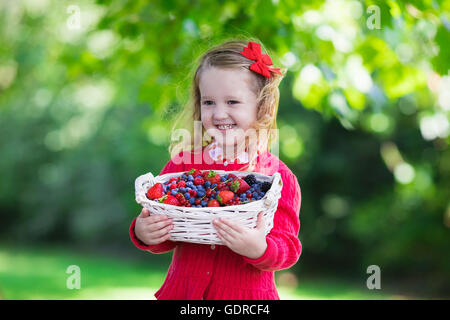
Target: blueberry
<point>207,184</point>
<point>183,176</point>
<point>248,192</point>
<point>173,192</point>
<point>182,189</point>
<point>189,184</point>
<point>198,177</point>
<point>262,194</point>
<point>200,193</point>
<point>223,179</point>
<point>214,185</point>
<point>204,203</point>
<point>190,177</point>
<point>226,177</point>
<point>187,195</point>
<point>191,200</point>
<point>199,206</point>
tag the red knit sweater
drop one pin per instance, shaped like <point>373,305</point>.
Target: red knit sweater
<point>214,272</point>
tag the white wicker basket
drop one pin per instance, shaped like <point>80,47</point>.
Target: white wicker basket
<point>195,224</point>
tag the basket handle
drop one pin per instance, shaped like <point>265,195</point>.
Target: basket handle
<point>139,185</point>
<point>277,185</point>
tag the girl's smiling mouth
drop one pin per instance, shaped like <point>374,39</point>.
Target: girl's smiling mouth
<point>224,127</point>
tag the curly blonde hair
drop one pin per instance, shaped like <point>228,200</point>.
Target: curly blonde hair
<point>227,55</point>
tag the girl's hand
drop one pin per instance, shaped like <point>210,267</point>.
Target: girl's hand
<point>152,229</point>
<point>247,242</point>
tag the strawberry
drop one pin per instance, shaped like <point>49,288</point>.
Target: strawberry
<point>213,203</point>
<point>225,196</point>
<point>232,176</point>
<point>205,174</point>
<point>213,177</point>
<point>170,200</point>
<point>194,172</point>
<point>155,192</point>
<point>239,186</point>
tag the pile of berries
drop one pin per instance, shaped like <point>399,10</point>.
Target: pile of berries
<point>196,188</point>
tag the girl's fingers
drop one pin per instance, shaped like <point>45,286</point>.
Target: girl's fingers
<point>228,237</point>
<point>162,239</point>
<point>156,218</point>
<point>161,232</point>
<point>223,238</point>
<point>230,227</point>
<point>159,225</point>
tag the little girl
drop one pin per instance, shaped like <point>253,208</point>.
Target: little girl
<point>234,91</point>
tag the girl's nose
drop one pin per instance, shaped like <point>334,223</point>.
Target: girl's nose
<point>220,112</point>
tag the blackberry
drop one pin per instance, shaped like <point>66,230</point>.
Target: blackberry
<point>250,179</point>
<point>266,186</point>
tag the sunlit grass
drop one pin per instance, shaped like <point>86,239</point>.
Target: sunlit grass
<point>40,273</point>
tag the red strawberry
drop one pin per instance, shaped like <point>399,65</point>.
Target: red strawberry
<point>205,174</point>
<point>213,177</point>
<point>171,200</point>
<point>155,192</point>
<point>225,196</point>
<point>213,203</point>
<point>239,186</point>
<point>232,176</point>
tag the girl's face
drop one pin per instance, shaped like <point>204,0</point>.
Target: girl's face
<point>228,105</point>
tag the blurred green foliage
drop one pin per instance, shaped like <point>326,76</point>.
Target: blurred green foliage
<point>86,108</point>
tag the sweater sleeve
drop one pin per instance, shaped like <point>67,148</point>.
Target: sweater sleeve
<point>283,246</point>
<point>167,245</point>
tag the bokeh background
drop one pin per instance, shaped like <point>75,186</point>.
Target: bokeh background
<point>88,92</point>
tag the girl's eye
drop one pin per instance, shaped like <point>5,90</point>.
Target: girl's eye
<point>234,101</point>
<point>207,102</point>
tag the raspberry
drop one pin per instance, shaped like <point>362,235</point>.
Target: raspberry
<point>198,181</point>
<point>193,193</point>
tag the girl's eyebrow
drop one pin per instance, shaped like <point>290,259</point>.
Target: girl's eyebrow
<point>227,97</point>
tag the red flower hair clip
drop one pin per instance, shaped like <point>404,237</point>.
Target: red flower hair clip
<point>263,61</point>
